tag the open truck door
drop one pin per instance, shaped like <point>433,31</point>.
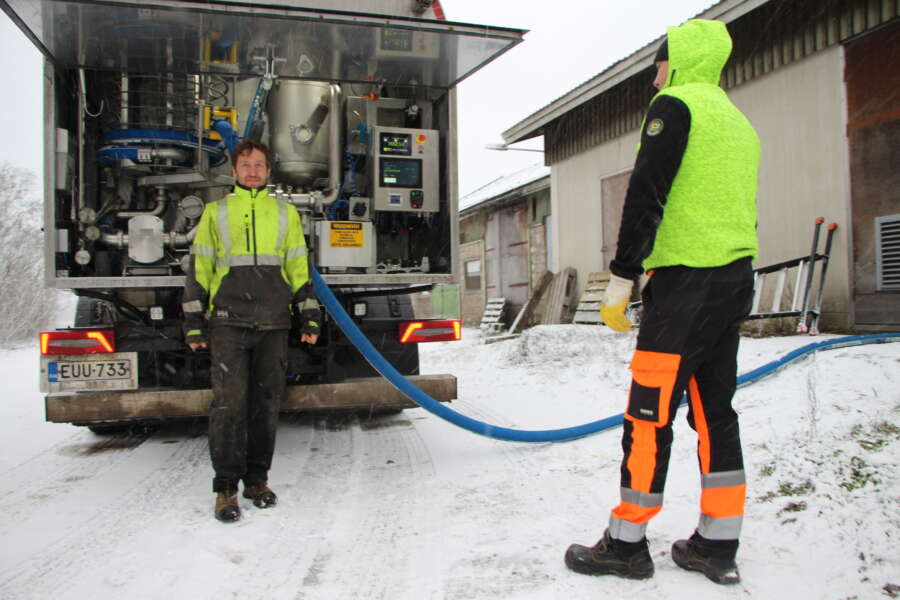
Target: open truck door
<point>142,102</point>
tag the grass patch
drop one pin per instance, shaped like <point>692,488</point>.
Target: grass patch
<point>792,507</point>
<point>790,489</point>
<point>879,435</point>
<point>859,476</point>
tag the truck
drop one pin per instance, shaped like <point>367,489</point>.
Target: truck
<point>143,101</point>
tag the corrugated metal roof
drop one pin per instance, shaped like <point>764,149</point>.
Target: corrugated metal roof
<point>774,34</point>
<point>504,184</point>
<point>725,10</point>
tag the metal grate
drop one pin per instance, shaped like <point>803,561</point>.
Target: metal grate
<point>887,253</point>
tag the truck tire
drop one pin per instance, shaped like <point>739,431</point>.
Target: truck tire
<point>109,428</point>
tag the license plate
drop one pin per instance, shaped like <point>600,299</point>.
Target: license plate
<point>116,371</point>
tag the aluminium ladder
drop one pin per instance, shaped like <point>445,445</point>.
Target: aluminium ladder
<point>803,269</point>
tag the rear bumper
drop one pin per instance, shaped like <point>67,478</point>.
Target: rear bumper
<point>370,393</point>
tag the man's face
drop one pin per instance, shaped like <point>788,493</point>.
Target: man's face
<point>251,169</point>
<point>662,73</point>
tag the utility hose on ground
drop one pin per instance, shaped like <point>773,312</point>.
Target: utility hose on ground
<point>388,371</point>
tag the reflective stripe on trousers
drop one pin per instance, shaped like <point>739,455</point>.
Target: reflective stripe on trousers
<point>688,341</point>
<point>645,464</point>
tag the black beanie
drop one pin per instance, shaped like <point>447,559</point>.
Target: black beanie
<point>663,52</point>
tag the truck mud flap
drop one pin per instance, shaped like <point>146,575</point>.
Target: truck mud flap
<point>370,393</point>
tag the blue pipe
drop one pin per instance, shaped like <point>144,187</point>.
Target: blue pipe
<point>388,371</point>
<point>254,108</point>
<point>230,138</point>
<point>124,144</point>
<point>149,136</point>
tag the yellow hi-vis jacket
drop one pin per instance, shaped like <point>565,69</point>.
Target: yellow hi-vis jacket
<point>248,266</point>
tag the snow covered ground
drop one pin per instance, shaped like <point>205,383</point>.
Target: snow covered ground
<point>410,507</point>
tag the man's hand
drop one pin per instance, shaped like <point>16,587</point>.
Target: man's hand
<point>197,345</point>
<point>309,338</point>
<point>615,301</point>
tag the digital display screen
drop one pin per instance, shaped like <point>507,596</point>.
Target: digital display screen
<point>396,143</point>
<point>401,172</point>
<point>397,40</point>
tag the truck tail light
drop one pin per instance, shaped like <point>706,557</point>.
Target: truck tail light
<point>78,341</point>
<point>430,331</point>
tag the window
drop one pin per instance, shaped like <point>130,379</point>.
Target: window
<point>473,275</point>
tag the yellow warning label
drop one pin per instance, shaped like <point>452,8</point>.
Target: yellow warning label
<point>346,235</point>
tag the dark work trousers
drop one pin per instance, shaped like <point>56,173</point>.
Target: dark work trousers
<point>247,368</point>
<point>688,341</point>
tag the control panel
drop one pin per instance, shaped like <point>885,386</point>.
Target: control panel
<point>404,173</point>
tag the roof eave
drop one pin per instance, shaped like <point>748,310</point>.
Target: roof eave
<point>532,126</point>
<point>526,189</point>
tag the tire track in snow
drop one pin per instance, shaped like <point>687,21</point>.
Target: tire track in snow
<point>316,449</point>
<point>356,483</point>
<point>51,473</point>
<point>386,513</point>
<point>88,540</point>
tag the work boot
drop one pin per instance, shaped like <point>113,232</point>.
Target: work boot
<point>262,496</point>
<point>227,509</point>
<point>690,556</point>
<point>611,557</point>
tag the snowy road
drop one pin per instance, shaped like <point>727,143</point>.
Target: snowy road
<point>407,506</point>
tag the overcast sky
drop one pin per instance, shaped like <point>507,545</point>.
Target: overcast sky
<point>569,41</point>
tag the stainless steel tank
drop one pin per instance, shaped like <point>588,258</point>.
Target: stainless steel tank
<point>299,119</point>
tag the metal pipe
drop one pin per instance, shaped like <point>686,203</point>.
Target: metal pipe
<point>170,83</point>
<point>162,201</point>
<point>181,240</point>
<point>119,238</point>
<point>307,201</point>
<point>198,161</point>
<point>123,107</point>
<point>169,153</point>
<point>81,101</point>
<point>334,140</point>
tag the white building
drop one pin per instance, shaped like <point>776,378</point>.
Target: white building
<point>820,82</point>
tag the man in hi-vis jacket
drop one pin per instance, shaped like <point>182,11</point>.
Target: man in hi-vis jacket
<point>249,270</point>
<point>689,220</point>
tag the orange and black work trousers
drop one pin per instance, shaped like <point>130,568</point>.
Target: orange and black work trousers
<point>247,369</point>
<point>688,342</point>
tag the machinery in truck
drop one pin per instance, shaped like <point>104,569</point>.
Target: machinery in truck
<point>143,101</point>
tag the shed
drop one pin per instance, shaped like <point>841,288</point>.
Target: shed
<point>503,246</point>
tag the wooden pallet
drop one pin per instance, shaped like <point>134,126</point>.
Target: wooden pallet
<point>561,300</point>
<point>492,319</point>
<point>588,311</point>
<point>523,319</point>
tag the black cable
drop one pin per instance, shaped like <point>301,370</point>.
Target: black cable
<point>387,292</point>
<point>121,305</point>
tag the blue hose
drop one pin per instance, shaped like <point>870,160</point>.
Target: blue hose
<point>388,371</point>
<point>845,342</point>
<point>228,134</point>
<point>254,108</point>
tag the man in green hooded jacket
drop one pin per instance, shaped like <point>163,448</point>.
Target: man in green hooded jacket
<point>689,221</point>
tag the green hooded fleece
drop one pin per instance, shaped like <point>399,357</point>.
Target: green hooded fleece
<point>710,212</point>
